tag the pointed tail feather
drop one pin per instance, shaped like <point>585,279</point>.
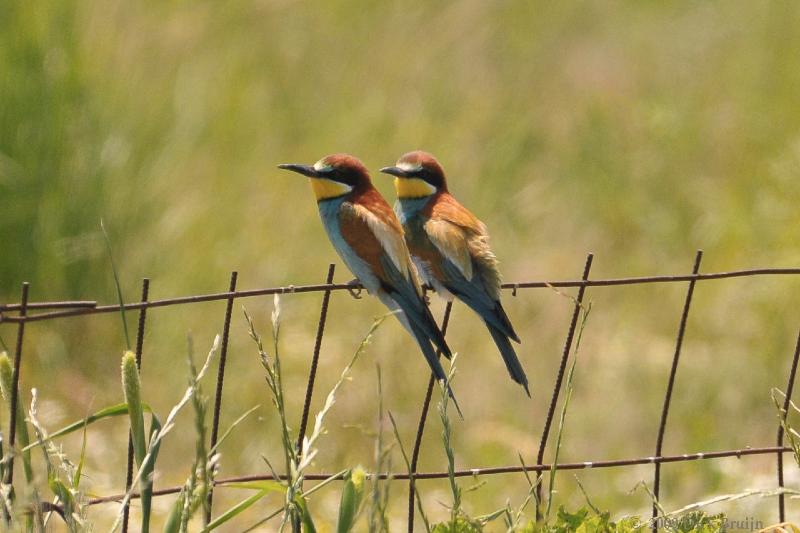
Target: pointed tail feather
<point>428,351</point>
<point>435,334</point>
<point>433,361</point>
<point>418,314</point>
<point>411,322</point>
<point>509,357</point>
<point>508,328</point>
<point>491,311</point>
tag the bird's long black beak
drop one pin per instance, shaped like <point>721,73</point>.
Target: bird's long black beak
<point>305,170</point>
<point>395,171</point>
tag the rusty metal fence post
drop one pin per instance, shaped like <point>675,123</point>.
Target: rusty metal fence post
<point>139,345</point>
<point>423,416</point>
<point>784,415</point>
<point>26,311</point>
<point>223,359</point>
<point>670,384</point>
<point>559,379</point>
<point>12,423</point>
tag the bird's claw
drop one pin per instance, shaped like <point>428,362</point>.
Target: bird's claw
<point>425,297</point>
<point>354,288</point>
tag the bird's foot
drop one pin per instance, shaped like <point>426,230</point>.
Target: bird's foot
<point>354,288</point>
<point>425,289</point>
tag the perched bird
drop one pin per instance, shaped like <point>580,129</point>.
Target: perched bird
<point>368,237</point>
<point>450,248</point>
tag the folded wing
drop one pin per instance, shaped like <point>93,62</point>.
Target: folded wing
<point>376,237</point>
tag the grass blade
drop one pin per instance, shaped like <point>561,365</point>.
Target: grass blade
<point>118,286</point>
<point>159,432</point>
<point>562,417</point>
<point>23,437</point>
<point>237,509</point>
<point>233,426</point>
<point>119,409</point>
<point>417,496</point>
<point>350,503</point>
<point>131,388</point>
<point>76,480</point>
<point>264,484</point>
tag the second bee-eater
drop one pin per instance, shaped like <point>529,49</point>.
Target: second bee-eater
<point>450,248</point>
<point>368,237</point>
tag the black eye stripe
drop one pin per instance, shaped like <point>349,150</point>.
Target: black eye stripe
<point>336,174</point>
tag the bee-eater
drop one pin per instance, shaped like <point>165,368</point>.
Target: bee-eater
<point>450,248</point>
<point>368,237</point>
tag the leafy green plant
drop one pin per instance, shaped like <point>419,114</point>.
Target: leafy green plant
<point>588,520</point>
<point>157,431</point>
<point>569,387</point>
<point>131,387</point>
<point>194,493</point>
<point>68,498</point>
<point>459,521</point>
<point>295,509</point>
<point>447,433</point>
<point>585,519</point>
<point>351,500</point>
<point>783,418</point>
<point>379,490</point>
<point>23,437</point>
<point>417,496</point>
<point>63,477</point>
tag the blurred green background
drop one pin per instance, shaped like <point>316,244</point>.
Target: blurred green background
<point>640,131</point>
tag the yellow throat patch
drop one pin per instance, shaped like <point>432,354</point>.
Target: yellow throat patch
<point>413,188</point>
<point>325,188</point>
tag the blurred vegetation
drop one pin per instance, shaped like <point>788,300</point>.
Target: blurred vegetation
<point>638,131</point>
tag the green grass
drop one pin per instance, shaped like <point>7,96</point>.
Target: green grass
<point>637,131</point>
<point>64,492</point>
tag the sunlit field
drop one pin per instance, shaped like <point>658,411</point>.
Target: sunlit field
<point>640,132</point>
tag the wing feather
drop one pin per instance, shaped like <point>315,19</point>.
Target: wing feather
<point>462,238</point>
<point>389,235</point>
<point>377,242</point>
<point>451,241</point>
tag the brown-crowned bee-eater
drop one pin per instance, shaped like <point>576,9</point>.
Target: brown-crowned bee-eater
<point>450,248</point>
<point>368,237</point>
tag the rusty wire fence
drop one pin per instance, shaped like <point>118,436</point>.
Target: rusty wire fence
<point>26,311</point>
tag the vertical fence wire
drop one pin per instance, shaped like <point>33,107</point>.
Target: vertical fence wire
<point>12,429</point>
<point>312,373</point>
<point>312,376</point>
<point>559,378</point>
<point>139,345</point>
<point>25,306</point>
<point>784,416</point>
<point>421,428</point>
<point>662,426</point>
<point>223,358</point>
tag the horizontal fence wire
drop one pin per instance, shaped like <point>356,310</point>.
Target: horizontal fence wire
<point>297,289</point>
<point>27,311</point>
<point>472,472</point>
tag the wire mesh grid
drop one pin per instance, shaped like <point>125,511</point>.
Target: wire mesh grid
<point>26,311</point>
